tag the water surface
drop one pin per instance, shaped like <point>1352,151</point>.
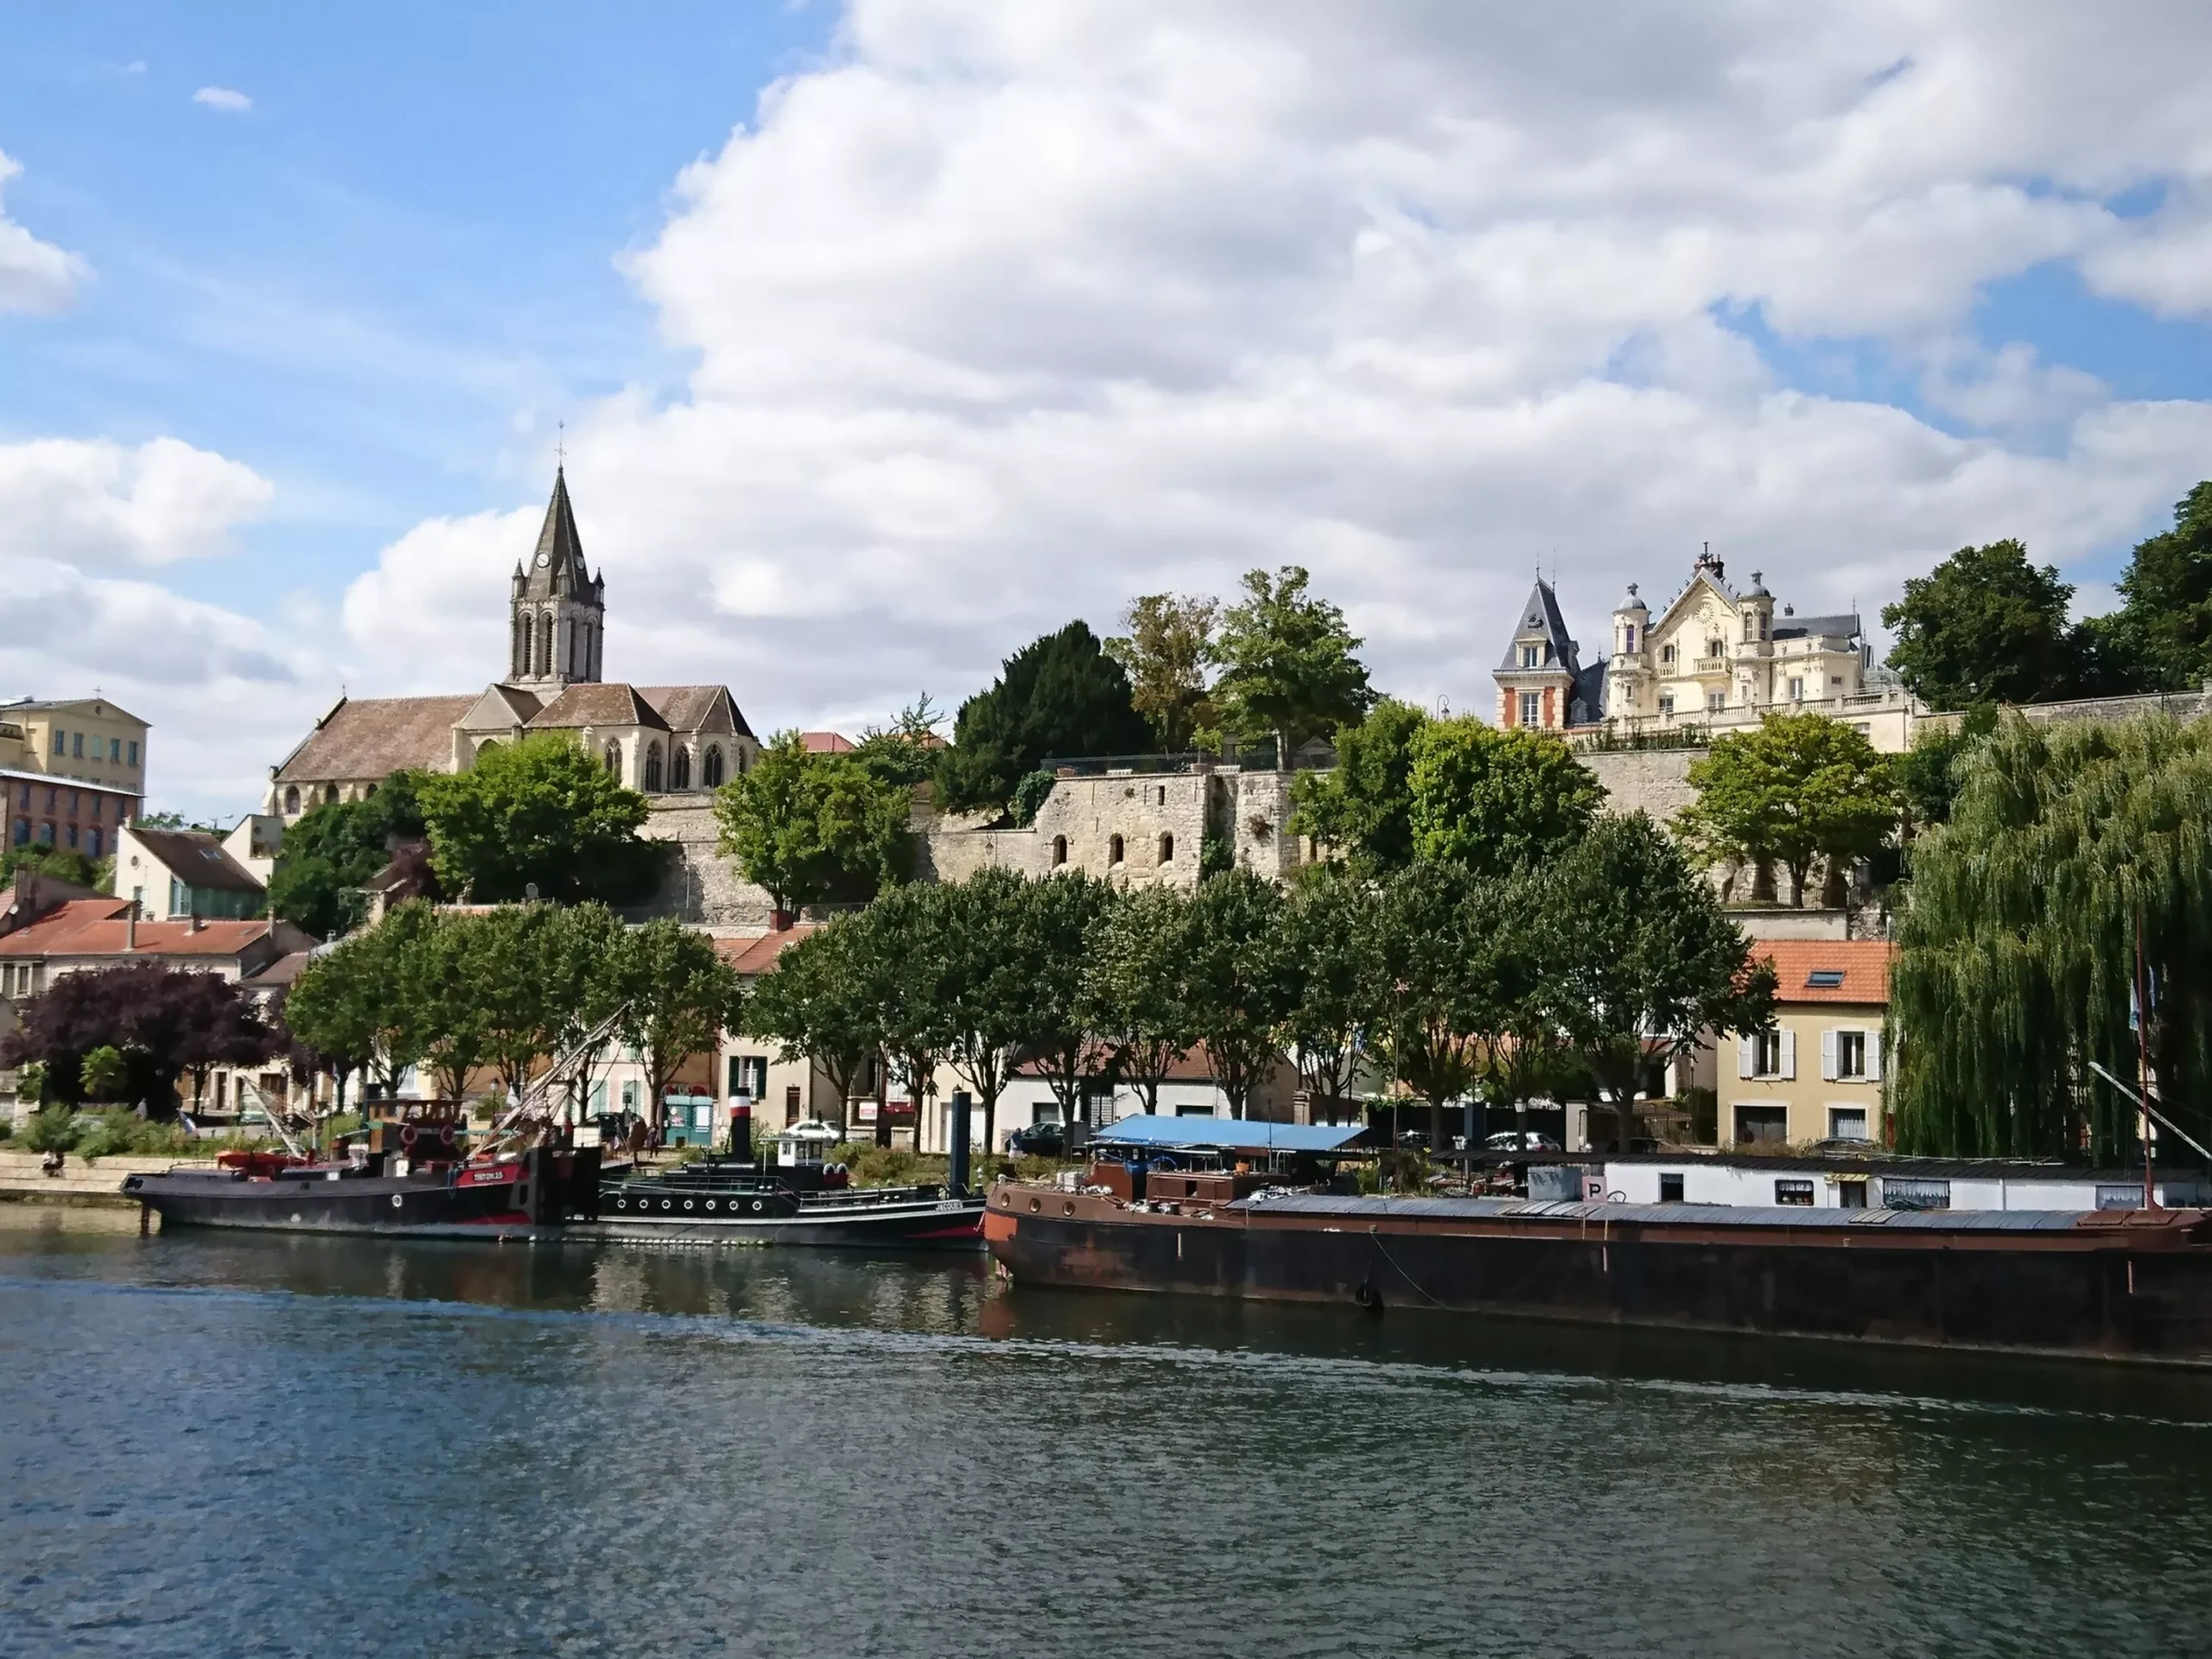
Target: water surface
<point>227,1444</point>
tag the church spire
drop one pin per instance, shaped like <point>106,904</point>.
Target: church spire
<point>558,605</point>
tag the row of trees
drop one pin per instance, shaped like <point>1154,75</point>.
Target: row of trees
<point>1579,959</point>
<point>1988,625</point>
<point>505,989</point>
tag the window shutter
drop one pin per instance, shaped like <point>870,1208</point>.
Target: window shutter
<point>1790,1055</point>
<point>1828,1056</point>
<point>1873,1057</point>
<point>1746,1065</point>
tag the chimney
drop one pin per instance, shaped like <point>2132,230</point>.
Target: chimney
<point>197,922</point>
<point>130,926</point>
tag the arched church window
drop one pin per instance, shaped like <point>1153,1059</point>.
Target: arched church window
<point>519,652</point>
<point>545,644</point>
<point>487,746</point>
<point>710,774</point>
<point>614,759</point>
<point>330,794</point>
<point>292,798</point>
<point>679,769</point>
<point>652,769</point>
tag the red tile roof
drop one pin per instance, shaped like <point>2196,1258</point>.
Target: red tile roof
<point>758,955</point>
<point>96,927</point>
<point>827,743</point>
<point>1863,963</point>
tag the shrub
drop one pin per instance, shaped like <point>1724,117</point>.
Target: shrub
<point>123,1134</point>
<point>101,1073</point>
<point>52,1128</point>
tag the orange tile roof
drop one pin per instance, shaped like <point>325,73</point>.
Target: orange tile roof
<point>758,955</point>
<point>827,743</point>
<point>96,927</point>
<point>1863,963</point>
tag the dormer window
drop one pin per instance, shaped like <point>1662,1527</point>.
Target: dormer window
<point>1666,654</point>
<point>1529,656</point>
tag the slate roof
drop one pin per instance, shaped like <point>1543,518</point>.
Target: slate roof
<point>1541,616</point>
<point>1844,626</point>
<point>1863,963</point>
<point>197,859</point>
<point>373,737</point>
<point>614,704</point>
<point>558,566</point>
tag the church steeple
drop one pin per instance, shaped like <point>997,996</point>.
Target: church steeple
<point>558,605</point>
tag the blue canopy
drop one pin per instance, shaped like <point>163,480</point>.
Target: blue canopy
<point>1226,1134</point>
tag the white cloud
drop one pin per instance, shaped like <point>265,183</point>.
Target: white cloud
<point>1006,313</point>
<point>222,98</point>
<point>98,504</point>
<point>34,275</point>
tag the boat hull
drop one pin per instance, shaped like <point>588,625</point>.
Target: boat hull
<point>382,1205</point>
<point>2095,1286</point>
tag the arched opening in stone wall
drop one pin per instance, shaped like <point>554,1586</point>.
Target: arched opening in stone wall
<point>1113,849</point>
<point>1168,849</point>
<point>614,759</point>
<point>679,769</point>
<point>652,769</point>
<point>710,774</point>
<point>1059,851</point>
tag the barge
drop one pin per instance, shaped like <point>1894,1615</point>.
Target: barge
<point>2114,1283</point>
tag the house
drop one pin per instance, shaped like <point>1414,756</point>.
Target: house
<point>38,811</point>
<point>671,742</point>
<point>169,874</point>
<point>1817,1073</point>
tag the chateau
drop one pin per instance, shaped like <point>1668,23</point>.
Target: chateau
<point>1712,659</point>
<point>673,743</point>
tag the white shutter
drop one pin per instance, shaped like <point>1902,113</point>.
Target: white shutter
<point>1828,1056</point>
<point>1746,1065</point>
<point>1873,1057</point>
<point>1790,1055</point>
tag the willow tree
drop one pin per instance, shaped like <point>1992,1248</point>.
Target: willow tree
<point>2017,958</point>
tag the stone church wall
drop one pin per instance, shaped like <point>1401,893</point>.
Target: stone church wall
<point>1649,780</point>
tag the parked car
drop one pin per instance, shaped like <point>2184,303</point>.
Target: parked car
<point>1520,1141</point>
<point>1039,1141</point>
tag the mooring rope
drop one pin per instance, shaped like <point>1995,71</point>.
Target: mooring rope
<point>1377,1238</point>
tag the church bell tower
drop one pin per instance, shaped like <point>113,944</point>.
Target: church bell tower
<point>558,607</point>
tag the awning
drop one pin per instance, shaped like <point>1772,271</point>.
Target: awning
<point>1226,1134</point>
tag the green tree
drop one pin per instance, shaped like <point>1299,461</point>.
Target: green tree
<point>991,966</point>
<point>358,1001</point>
<point>1060,695</point>
<point>1799,788</point>
<point>1165,650</point>
<point>677,995</point>
<point>1362,806</point>
<point>1496,801</point>
<point>1061,916</point>
<point>101,1073</point>
<point>330,851</point>
<point>812,827</point>
<point>61,864</point>
<point>540,813</point>
<point>822,1000</point>
<point>2163,630</point>
<point>1926,774</point>
<point>1287,665</point>
<point>1640,960</point>
<point>541,983</point>
<point>1433,1003</point>
<point>2016,946</point>
<point>446,972</point>
<point>1986,627</point>
<point>1134,987</point>
<point>1330,940</point>
<point>1237,980</point>
<point>903,934</point>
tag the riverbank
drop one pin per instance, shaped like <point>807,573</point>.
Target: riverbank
<point>86,1183</point>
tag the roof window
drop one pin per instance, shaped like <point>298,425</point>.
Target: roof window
<point>1824,979</point>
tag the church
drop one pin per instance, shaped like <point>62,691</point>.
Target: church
<point>672,743</point>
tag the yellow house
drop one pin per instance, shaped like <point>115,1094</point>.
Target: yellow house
<point>1817,1074</point>
<point>86,738</point>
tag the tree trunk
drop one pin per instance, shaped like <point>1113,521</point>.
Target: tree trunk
<point>1435,1122</point>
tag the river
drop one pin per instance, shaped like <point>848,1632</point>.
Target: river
<point>218,1443</point>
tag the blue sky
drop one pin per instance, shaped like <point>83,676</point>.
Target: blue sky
<point>382,283</point>
<point>889,333</point>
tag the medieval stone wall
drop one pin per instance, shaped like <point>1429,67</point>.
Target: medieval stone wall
<point>1649,780</point>
<point>701,887</point>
